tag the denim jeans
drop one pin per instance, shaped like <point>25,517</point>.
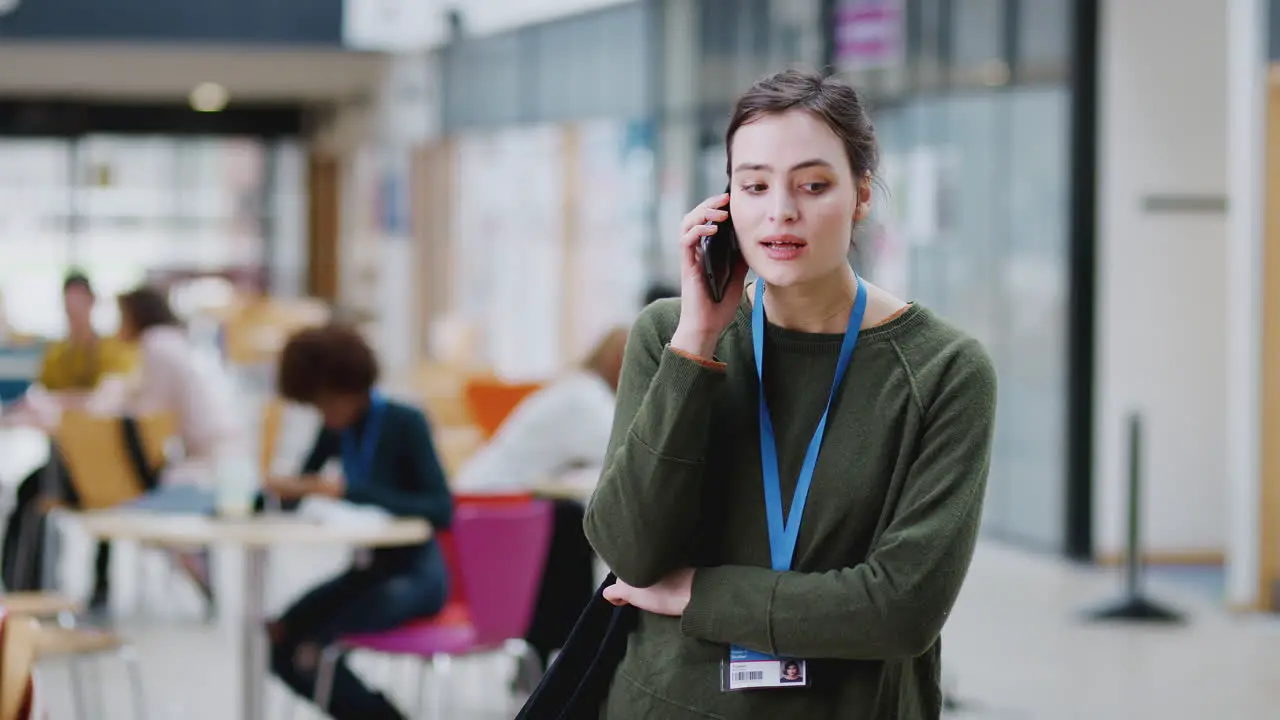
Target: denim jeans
<point>357,601</point>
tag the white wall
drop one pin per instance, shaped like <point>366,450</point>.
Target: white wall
<point>1162,277</point>
<point>482,17</point>
<point>1247,98</point>
<point>408,25</point>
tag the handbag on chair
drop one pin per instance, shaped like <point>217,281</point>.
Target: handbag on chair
<point>576,684</point>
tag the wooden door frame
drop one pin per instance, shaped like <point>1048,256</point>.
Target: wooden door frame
<point>324,225</point>
<point>1269,485</point>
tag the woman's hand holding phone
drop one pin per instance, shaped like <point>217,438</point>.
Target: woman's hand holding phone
<point>702,320</point>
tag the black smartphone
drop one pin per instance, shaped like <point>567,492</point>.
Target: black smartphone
<point>720,256</point>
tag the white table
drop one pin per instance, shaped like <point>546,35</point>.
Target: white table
<point>256,536</point>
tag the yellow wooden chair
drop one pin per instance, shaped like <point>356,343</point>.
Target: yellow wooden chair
<point>104,476</point>
<point>98,463</point>
<point>100,469</point>
<point>73,645</point>
<point>38,605</point>
<point>18,637</point>
<point>272,426</point>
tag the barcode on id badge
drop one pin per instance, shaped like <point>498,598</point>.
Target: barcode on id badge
<point>748,676</point>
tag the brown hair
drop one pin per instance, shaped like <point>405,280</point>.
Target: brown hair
<point>605,359</point>
<point>145,308</point>
<point>835,103</point>
<point>334,359</point>
<point>77,279</point>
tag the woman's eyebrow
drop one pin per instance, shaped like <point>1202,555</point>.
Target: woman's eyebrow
<point>815,162</point>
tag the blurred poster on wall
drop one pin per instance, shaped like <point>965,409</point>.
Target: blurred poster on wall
<point>614,204</point>
<point>869,34</point>
<point>509,247</point>
<point>478,219</point>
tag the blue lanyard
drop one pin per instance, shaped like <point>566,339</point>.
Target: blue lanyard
<point>357,462</point>
<point>783,534</point>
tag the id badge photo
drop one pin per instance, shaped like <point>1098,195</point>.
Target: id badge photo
<point>750,670</point>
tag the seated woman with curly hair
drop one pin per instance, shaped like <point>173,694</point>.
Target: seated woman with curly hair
<point>388,461</point>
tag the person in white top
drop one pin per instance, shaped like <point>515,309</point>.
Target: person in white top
<point>171,379</point>
<point>561,428</point>
<point>558,429</point>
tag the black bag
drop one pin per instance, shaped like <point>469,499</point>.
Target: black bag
<point>22,564</point>
<point>577,683</point>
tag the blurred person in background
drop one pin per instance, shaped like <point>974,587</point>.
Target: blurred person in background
<point>560,429</point>
<point>389,462</point>
<point>71,371</point>
<point>704,511</point>
<point>170,379</point>
<point>659,291</point>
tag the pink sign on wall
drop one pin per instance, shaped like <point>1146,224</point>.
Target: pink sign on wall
<point>869,34</point>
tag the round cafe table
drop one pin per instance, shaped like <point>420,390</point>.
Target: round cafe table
<point>255,536</point>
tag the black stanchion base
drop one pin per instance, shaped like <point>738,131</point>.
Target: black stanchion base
<point>1137,609</point>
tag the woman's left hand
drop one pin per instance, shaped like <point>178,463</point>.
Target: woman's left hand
<point>669,597</point>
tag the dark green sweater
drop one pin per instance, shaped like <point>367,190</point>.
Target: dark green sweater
<point>886,537</point>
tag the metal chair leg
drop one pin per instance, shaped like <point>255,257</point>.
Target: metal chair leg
<point>78,699</point>
<point>421,707</point>
<point>129,656</point>
<point>440,666</point>
<point>325,672</point>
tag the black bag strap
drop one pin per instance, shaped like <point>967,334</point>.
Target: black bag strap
<point>150,477</point>
<point>577,682</point>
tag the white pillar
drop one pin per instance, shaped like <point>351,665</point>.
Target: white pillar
<point>677,133</point>
<point>1246,142</point>
<point>408,114</point>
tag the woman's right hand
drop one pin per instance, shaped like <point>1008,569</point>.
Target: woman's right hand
<point>701,319</point>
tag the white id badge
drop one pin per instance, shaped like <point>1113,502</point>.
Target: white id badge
<point>750,670</point>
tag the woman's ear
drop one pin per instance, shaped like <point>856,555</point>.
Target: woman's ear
<point>863,208</point>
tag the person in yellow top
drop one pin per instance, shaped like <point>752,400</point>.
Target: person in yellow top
<point>76,365</point>
<point>71,370</point>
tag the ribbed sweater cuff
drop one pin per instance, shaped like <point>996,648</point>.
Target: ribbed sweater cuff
<point>731,605</point>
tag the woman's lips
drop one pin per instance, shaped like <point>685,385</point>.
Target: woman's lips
<point>783,247</point>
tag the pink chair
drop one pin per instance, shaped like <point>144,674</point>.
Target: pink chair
<point>500,554</point>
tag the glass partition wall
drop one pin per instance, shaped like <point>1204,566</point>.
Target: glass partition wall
<point>973,103</point>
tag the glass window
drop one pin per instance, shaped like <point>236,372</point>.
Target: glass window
<point>1044,40</point>
<point>142,205</point>
<point>1273,44</point>
<point>972,223</point>
<point>926,43</point>
<point>978,47</point>
<point>1033,284</point>
<point>35,210</point>
<point>589,65</point>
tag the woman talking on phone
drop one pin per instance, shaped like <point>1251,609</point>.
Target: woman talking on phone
<point>796,472</point>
